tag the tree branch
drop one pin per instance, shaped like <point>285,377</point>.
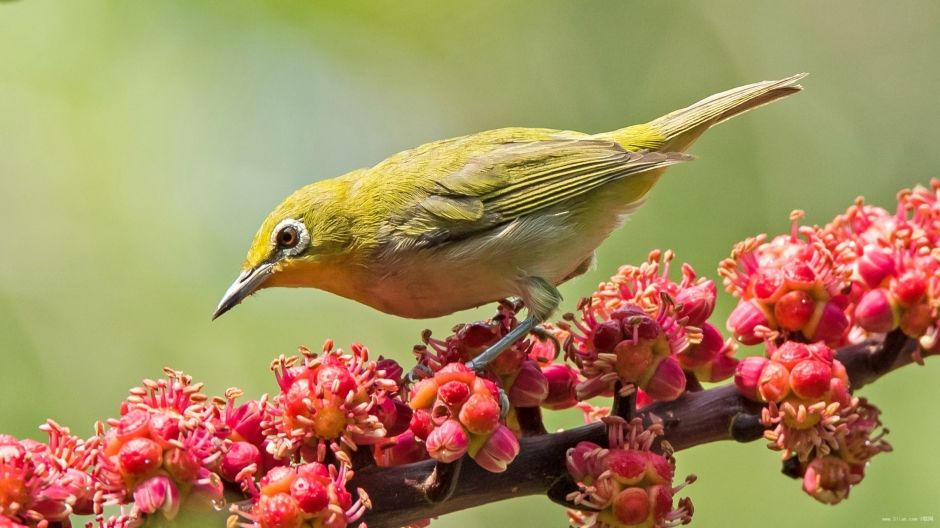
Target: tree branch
<point>399,499</point>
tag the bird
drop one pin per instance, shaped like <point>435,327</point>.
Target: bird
<point>461,222</point>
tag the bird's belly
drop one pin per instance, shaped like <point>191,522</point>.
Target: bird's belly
<point>431,282</point>
<point>420,286</point>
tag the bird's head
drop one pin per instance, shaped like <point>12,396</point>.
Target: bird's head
<point>296,244</point>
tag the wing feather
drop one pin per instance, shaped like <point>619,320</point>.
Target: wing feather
<point>519,178</point>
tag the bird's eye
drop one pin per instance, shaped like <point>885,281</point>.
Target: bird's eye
<point>290,237</point>
<point>287,237</point>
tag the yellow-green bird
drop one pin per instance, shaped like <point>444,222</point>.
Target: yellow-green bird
<point>461,222</point>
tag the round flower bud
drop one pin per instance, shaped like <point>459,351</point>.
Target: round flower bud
<point>632,506</point>
<point>310,495</point>
<point>278,511</point>
<point>793,310</point>
<point>774,382</point>
<point>139,456</point>
<point>747,376</point>
<point>480,415</point>
<point>810,379</point>
<point>876,312</point>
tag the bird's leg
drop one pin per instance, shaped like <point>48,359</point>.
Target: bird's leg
<point>480,362</point>
<point>541,299</point>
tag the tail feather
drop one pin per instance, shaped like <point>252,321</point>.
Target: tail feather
<point>684,126</point>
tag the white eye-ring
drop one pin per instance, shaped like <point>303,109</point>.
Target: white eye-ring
<point>290,236</point>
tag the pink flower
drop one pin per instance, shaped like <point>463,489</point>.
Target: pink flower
<point>793,284</point>
<point>498,451</point>
<point>627,484</point>
<point>311,494</point>
<point>448,442</point>
<point>329,400</point>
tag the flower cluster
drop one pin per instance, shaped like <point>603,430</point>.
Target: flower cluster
<point>790,284</point>
<point>456,412</point>
<point>333,400</point>
<point>806,391</point>
<point>820,428</point>
<point>164,449</point>
<point>469,340</point>
<point>643,330</point>
<point>628,484</point>
<point>829,478</point>
<point>894,263</point>
<point>310,495</point>
<point>45,483</point>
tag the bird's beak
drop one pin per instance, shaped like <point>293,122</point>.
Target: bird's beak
<point>247,283</point>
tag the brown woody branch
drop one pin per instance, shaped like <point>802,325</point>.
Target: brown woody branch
<point>399,494</point>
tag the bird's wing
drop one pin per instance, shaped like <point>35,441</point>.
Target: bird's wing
<point>515,179</point>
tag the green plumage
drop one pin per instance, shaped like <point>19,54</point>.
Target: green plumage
<point>459,222</point>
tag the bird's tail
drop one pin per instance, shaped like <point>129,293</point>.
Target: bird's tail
<point>681,128</point>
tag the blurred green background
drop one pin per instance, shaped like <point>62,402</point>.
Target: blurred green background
<point>141,144</point>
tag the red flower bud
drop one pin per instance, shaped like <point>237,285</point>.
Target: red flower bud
<point>697,302</point>
<point>530,387</point>
<point>876,312</point>
<point>721,368</point>
<point>627,466</point>
<point>163,428</point>
<point>790,353</point>
<point>828,479</point>
<point>607,335</point>
<point>798,275</point>
<point>774,382</point>
<point>453,393</point>
<point>499,450</point>
<point>140,456</point>
<point>909,288</point>
<point>582,462</point>
<point>395,416</point>
<point>767,284</point>
<point>448,442</point>
<point>477,335</point>
<point>158,493</point>
<point>239,456</point>
<point>404,449</point>
<point>747,376</point>
<point>421,425</point>
<point>810,379</point>
<point>480,415</point>
<point>632,506</point>
<point>391,368</point>
<point>793,310</point>
<point>562,380</point>
<point>659,470</point>
<point>133,424</point>
<point>637,324</point>
<point>828,324</point>
<point>310,495</point>
<point>278,511</point>
<point>874,266</point>
<point>667,382</point>
<point>743,321</point>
